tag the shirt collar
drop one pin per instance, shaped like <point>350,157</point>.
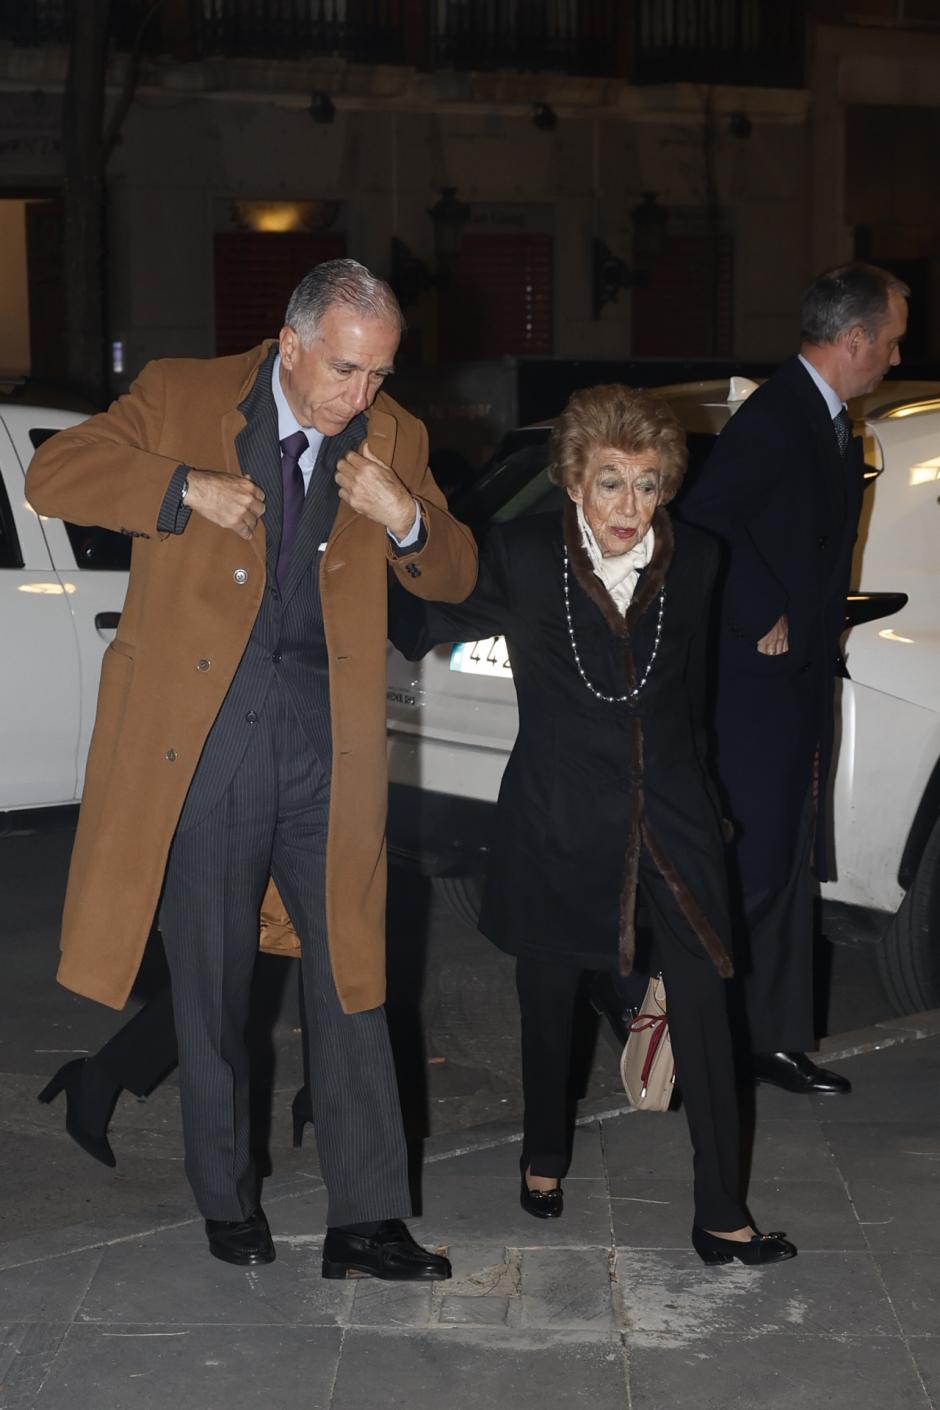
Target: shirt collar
<point>287,422</point>
<point>832,399</point>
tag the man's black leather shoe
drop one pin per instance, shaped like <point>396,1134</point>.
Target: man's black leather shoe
<point>241,1241</point>
<point>794,1072</point>
<point>390,1253</point>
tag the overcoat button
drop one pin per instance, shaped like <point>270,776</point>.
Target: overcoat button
<point>240,575</point>
<point>203,665</point>
<point>251,717</point>
<point>170,756</point>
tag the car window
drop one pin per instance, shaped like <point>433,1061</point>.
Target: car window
<point>94,548</point>
<point>10,556</point>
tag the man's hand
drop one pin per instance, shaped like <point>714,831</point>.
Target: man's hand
<point>373,489</point>
<point>777,640</point>
<point>231,501</point>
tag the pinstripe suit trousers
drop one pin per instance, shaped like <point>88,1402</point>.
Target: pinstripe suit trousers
<point>272,820</point>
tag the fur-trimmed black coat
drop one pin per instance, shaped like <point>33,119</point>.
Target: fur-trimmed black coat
<point>588,783</point>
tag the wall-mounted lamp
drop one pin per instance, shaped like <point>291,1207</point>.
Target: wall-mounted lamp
<point>409,276</point>
<point>544,117</point>
<point>449,216</point>
<point>649,229</point>
<point>609,274</point>
<point>322,108</point>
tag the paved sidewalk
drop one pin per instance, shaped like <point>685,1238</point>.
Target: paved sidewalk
<point>123,1309</point>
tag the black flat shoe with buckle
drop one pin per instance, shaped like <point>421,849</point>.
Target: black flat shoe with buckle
<point>759,1251</point>
<point>541,1204</point>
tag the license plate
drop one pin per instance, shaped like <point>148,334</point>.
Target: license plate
<point>482,658</point>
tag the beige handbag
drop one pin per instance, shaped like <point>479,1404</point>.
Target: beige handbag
<point>647,1067</point>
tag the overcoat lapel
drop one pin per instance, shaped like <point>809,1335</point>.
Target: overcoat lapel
<point>258,451</point>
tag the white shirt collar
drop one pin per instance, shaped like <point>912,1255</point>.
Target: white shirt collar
<point>832,399</point>
<point>287,422</point>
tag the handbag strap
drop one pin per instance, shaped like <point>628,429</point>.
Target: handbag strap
<point>655,1024</point>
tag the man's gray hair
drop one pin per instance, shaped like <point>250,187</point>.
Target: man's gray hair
<point>846,297</point>
<point>345,282</point>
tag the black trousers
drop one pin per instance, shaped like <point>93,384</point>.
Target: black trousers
<point>143,1051</point>
<point>775,959</point>
<point>701,1039</point>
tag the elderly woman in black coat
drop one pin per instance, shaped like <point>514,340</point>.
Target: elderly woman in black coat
<point>606,793</point>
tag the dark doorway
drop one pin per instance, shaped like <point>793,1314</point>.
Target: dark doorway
<point>255,275</point>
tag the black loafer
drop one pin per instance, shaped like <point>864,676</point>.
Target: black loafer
<point>541,1204</point>
<point>390,1253</point>
<point>795,1072</point>
<point>758,1252</point>
<point>242,1241</point>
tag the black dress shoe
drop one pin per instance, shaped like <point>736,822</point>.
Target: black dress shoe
<point>242,1241</point>
<point>89,1103</point>
<point>794,1072</point>
<point>390,1253</point>
<point>758,1252</point>
<point>541,1204</point>
<point>301,1110</point>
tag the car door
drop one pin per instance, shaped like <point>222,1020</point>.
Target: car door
<point>92,565</point>
<point>40,679</point>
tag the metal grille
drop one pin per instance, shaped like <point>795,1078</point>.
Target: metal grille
<point>749,42</point>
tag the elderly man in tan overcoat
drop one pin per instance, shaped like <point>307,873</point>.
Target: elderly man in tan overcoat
<point>240,738</point>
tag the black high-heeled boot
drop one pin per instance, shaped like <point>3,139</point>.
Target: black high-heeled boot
<point>542,1204</point>
<point>301,1110</point>
<point>90,1098</point>
<point>759,1251</point>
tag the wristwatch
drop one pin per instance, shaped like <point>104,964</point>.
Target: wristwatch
<point>185,489</point>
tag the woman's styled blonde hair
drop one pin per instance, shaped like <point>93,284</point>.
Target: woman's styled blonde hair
<point>629,420</point>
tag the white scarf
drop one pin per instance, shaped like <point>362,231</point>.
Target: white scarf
<point>619,572</point>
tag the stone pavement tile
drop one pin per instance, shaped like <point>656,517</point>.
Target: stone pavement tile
<point>822,1293</point>
<point>486,1286</point>
<point>658,1213</point>
<point>49,1183</point>
<point>895,1151</point>
<point>194,1368</point>
<point>926,1354</point>
<point>46,1291</point>
<point>152,1282</point>
<point>298,1216</point>
<point>566,1288</point>
<point>913,1283</point>
<point>896,1084</point>
<point>479,1368</point>
<point>587,1160</point>
<point>788,1372</point>
<point>484,1209</point>
<point>902,1217</point>
<point>27,1350</point>
<point>648,1144</point>
<point>378,1304</point>
<point>792,1150</point>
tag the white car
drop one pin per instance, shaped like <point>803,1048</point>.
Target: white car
<point>452,717</point>
<point>61,592</point>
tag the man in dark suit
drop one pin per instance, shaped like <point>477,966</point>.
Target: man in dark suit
<point>782,491</point>
<point>239,744</point>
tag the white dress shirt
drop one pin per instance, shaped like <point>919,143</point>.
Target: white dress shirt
<point>287,424</point>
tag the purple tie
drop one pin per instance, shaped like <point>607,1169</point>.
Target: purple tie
<point>292,448</point>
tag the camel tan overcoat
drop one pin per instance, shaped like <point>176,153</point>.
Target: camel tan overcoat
<point>191,603</point>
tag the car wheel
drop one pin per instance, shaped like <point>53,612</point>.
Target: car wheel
<point>909,954</point>
<point>462,896</point>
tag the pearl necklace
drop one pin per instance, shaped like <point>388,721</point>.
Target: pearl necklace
<point>632,695</point>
